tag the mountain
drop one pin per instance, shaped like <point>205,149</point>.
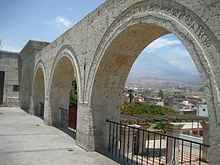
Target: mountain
<point>153,67</point>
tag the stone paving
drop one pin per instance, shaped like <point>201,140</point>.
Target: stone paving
<point>26,140</point>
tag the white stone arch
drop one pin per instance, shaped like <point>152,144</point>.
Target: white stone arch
<point>39,89</point>
<point>67,58</point>
<point>152,13</point>
<point>67,51</point>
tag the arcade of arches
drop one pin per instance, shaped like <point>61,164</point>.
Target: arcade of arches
<point>100,51</point>
<point>38,93</point>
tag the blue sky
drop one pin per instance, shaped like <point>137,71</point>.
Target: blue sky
<point>22,20</point>
<point>45,20</point>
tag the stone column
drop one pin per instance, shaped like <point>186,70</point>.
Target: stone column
<point>85,128</point>
<point>173,129</point>
<point>31,108</point>
<point>47,112</point>
<point>205,128</point>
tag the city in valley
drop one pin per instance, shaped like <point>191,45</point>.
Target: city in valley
<point>186,99</point>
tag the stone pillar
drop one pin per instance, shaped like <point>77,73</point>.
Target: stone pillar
<point>205,128</point>
<point>173,129</point>
<point>64,118</point>
<point>31,108</point>
<point>85,128</point>
<point>47,112</point>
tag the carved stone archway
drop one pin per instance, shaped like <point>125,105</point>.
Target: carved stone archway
<point>127,36</point>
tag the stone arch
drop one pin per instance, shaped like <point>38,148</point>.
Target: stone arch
<point>64,69</point>
<point>25,89</point>
<point>39,90</point>
<point>127,36</point>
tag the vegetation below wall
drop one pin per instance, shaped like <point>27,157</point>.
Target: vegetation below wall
<point>73,93</point>
<point>143,108</point>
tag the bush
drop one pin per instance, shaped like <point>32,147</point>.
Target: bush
<point>143,108</point>
<point>73,93</point>
<point>160,126</point>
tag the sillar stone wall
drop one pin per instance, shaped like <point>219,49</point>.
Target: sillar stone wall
<point>9,64</point>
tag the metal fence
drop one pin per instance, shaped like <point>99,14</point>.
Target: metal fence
<point>138,146</point>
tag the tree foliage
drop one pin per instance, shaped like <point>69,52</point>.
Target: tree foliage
<point>161,94</point>
<point>73,93</point>
<point>143,108</point>
<point>160,126</point>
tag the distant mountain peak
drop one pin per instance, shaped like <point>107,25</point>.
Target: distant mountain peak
<point>151,66</point>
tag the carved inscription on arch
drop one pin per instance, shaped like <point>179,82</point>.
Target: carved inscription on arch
<point>174,9</point>
<point>187,17</point>
<point>151,10</point>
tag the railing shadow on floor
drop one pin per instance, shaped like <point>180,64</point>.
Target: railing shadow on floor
<point>69,132</point>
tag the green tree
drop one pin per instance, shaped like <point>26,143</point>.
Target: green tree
<point>143,108</point>
<point>73,93</point>
<point>161,94</point>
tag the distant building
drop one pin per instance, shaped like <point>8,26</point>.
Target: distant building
<point>9,86</point>
<point>187,108</point>
<point>202,110</point>
<point>154,101</point>
<point>139,99</point>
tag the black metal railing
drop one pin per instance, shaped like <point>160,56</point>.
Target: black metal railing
<point>138,146</point>
<point>63,109</point>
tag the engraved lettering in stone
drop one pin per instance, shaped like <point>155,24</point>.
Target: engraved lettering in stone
<point>188,20</point>
<point>181,14</point>
<point>175,11</point>
<point>199,28</point>
<point>208,44</point>
<point>205,40</point>
<point>200,33</point>
<point>193,26</point>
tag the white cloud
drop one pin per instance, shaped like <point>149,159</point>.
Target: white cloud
<point>187,66</point>
<point>179,57</point>
<point>161,43</point>
<point>61,22</point>
<point>8,45</point>
<point>177,51</point>
<point>10,48</point>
